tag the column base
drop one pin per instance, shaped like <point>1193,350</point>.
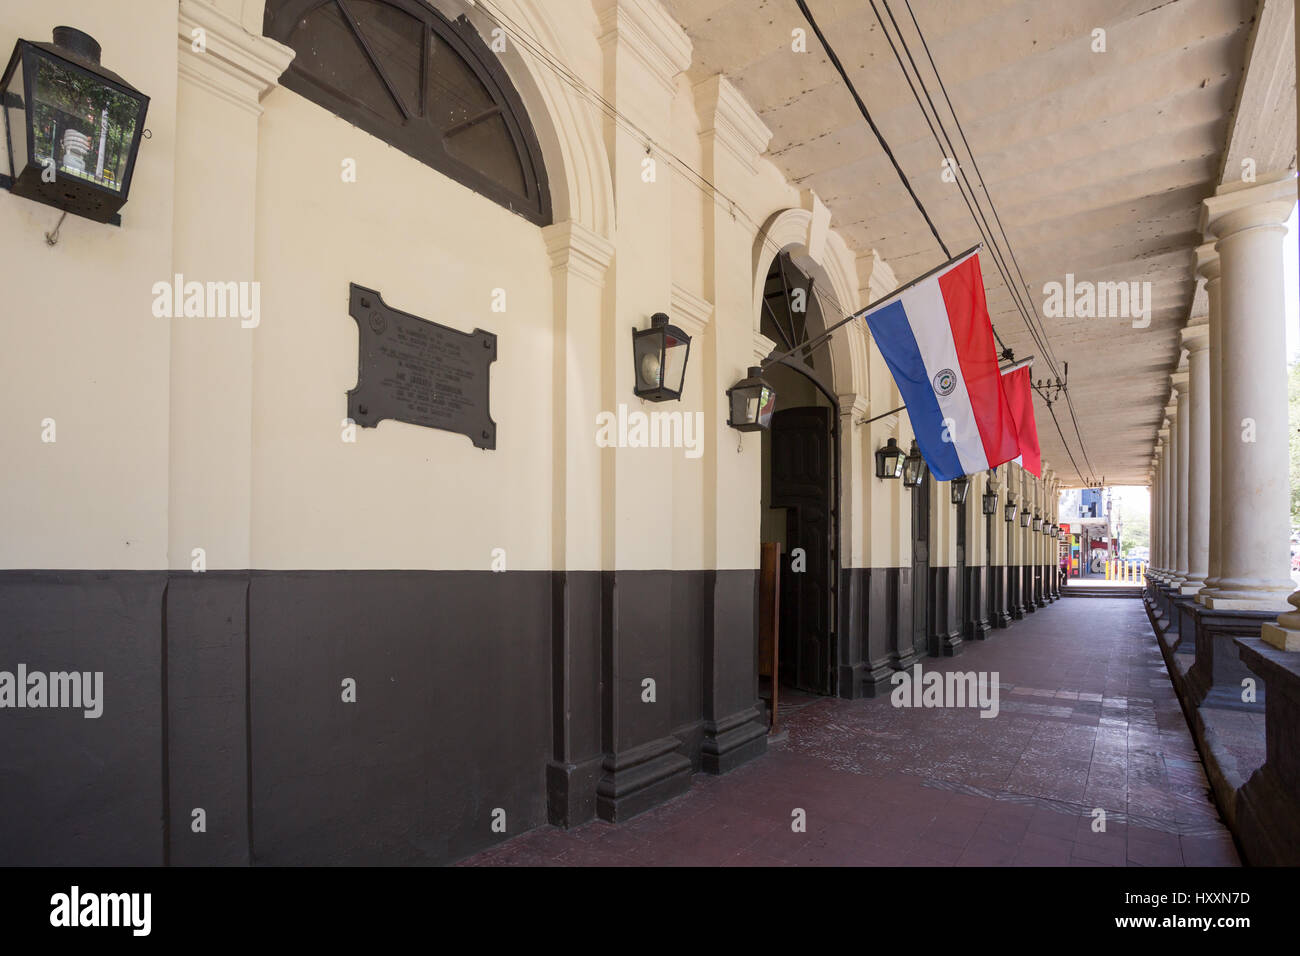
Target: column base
<point>638,779</point>
<point>571,791</point>
<point>1271,605</point>
<point>735,740</point>
<point>1275,635</point>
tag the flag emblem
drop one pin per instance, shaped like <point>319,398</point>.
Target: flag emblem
<point>937,331</point>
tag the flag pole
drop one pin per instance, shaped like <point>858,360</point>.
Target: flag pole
<point>1003,371</point>
<point>814,342</point>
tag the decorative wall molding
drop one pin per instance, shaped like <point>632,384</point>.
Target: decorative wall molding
<point>238,66</point>
<point>728,120</point>
<point>688,311</point>
<point>650,33</point>
<point>577,250</point>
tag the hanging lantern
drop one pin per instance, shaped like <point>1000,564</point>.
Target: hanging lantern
<point>960,489</point>
<point>752,402</point>
<point>1010,510</point>
<point>660,354</point>
<point>1038,523</point>
<point>990,501</point>
<point>913,468</point>
<point>1025,517</point>
<point>889,460</point>
<point>72,127</point>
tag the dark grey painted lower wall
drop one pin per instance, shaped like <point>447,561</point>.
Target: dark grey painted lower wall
<point>75,790</point>
<point>475,692</point>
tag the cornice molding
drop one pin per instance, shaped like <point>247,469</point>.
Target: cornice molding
<point>238,66</point>
<point>648,31</point>
<point>727,119</point>
<point>577,250</point>
<point>688,311</point>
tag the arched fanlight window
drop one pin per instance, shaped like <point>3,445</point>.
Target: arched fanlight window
<point>426,85</point>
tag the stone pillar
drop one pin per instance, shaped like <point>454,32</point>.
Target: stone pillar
<point>643,51</point>
<point>1252,514</point>
<point>1249,223</point>
<point>580,259</point>
<point>217,127</point>
<point>1180,379</point>
<point>1208,265</point>
<point>1196,339</point>
<point>732,138</point>
<point>1153,563</point>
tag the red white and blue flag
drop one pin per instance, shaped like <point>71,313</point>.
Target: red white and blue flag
<point>1018,387</point>
<point>937,339</point>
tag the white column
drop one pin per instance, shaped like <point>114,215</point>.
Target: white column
<point>1181,441</point>
<point>1164,568</point>
<point>1196,339</point>
<point>1248,221</point>
<point>1208,265</point>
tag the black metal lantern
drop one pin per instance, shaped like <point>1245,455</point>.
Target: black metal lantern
<point>1011,509</point>
<point>752,402</point>
<point>960,489</point>
<point>990,500</point>
<point>889,460</point>
<point>1025,517</point>
<point>72,128</point>
<point>913,468</point>
<point>1038,522</point>
<point>659,354</point>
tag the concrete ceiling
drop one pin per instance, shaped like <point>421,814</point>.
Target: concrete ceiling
<point>1097,162</point>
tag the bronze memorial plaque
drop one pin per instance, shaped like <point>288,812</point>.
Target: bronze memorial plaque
<point>412,370</point>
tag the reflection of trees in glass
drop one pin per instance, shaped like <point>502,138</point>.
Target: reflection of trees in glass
<point>68,99</point>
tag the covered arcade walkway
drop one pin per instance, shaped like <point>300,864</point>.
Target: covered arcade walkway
<point>1087,719</point>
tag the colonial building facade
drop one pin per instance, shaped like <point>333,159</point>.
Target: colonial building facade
<point>334,639</point>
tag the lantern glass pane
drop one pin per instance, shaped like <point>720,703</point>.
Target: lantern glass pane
<point>674,361</point>
<point>744,406</point>
<point>766,406</point>
<point>84,125</point>
<point>649,361</point>
<point>15,121</point>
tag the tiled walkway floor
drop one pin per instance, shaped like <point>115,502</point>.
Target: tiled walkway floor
<point>1088,720</point>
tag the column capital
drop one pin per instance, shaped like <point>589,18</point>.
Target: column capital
<point>1179,380</point>
<point>763,346</point>
<point>1208,264</point>
<point>1239,206</point>
<point>689,311</point>
<point>649,32</point>
<point>1195,337</point>
<point>576,249</point>
<point>876,277</point>
<point>726,116</point>
<point>854,404</point>
<point>236,65</point>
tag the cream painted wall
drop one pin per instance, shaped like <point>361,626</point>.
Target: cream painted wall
<point>81,345</point>
<point>136,438</point>
<point>402,496</point>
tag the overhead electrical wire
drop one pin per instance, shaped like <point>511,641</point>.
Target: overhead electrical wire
<point>529,44</point>
<point>1045,345</point>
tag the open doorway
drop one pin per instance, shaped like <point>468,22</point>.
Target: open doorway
<point>800,492</point>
